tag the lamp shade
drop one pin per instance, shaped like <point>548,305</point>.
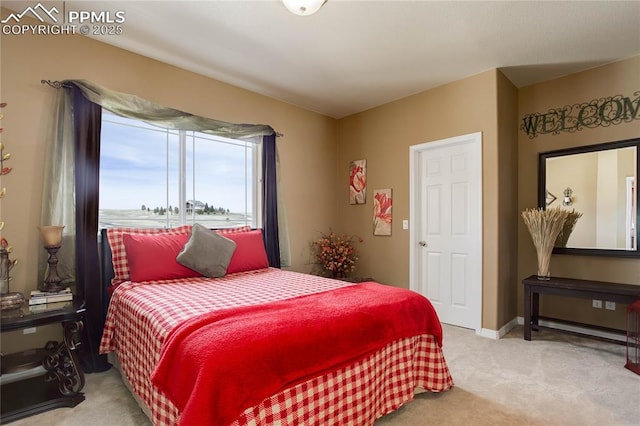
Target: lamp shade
<point>51,235</point>
<point>303,7</point>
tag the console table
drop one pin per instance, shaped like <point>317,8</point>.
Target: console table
<point>533,287</point>
<point>57,378</point>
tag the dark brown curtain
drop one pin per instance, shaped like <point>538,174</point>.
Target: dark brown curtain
<point>87,121</point>
<point>270,201</point>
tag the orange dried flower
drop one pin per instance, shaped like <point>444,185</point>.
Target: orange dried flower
<point>335,254</point>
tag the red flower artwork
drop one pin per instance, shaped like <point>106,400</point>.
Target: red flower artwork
<point>357,182</point>
<point>382,203</point>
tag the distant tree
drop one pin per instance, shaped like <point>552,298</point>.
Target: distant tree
<point>175,210</point>
<point>144,207</point>
<point>210,209</point>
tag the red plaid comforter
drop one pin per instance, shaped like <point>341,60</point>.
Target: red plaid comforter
<point>141,316</point>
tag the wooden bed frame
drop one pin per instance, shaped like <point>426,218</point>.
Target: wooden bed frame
<point>106,270</point>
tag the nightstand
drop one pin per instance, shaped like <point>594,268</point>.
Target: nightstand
<point>37,380</point>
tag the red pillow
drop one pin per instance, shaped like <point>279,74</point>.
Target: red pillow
<point>153,257</point>
<point>250,253</point>
<point>225,231</point>
<point>119,254</point>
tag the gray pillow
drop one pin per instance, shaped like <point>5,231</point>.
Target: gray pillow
<point>207,252</point>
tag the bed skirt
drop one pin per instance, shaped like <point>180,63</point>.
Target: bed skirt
<point>356,394</point>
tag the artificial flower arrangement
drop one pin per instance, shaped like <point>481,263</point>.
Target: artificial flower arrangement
<point>8,300</point>
<point>335,254</point>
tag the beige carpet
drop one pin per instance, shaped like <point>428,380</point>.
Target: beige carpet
<point>556,379</point>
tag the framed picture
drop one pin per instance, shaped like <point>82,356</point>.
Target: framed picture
<point>382,203</point>
<point>358,182</point>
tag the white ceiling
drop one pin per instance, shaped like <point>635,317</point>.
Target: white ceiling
<point>355,55</point>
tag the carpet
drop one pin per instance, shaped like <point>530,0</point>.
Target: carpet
<point>555,379</point>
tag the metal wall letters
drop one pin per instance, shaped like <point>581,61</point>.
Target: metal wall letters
<point>599,112</point>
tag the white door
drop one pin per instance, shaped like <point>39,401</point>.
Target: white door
<point>446,236</point>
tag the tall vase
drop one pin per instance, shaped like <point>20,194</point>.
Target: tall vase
<point>544,259</point>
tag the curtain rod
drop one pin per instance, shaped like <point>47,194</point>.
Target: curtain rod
<point>55,84</point>
<point>58,85</point>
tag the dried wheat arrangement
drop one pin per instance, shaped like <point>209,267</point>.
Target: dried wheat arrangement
<point>567,227</point>
<point>544,227</point>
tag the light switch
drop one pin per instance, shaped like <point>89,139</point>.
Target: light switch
<point>405,224</point>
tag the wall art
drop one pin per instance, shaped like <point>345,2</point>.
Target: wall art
<point>358,182</point>
<point>382,203</point>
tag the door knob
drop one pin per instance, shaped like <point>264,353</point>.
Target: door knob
<point>422,244</point>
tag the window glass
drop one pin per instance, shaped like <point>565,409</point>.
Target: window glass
<point>142,182</point>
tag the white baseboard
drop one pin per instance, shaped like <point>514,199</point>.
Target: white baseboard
<point>497,334</point>
<point>578,329</point>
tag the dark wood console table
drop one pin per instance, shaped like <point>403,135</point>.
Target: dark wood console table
<point>61,380</point>
<point>533,287</point>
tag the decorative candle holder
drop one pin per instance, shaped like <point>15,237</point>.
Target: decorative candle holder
<point>52,237</point>
<point>8,300</point>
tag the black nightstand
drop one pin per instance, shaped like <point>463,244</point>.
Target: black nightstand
<point>42,379</point>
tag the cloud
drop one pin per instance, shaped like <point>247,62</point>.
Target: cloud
<point>134,169</point>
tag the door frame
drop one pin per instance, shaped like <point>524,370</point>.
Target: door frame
<point>630,210</point>
<point>475,141</point>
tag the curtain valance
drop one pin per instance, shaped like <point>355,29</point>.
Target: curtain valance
<point>132,106</point>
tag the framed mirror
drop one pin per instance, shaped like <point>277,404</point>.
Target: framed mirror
<point>601,183</point>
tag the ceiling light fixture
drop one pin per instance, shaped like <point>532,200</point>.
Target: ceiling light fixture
<point>304,7</point>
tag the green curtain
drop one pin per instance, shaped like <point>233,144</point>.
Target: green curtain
<point>58,190</point>
<point>137,108</point>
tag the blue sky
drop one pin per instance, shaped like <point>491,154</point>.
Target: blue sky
<point>133,165</point>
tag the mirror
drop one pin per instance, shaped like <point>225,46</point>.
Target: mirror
<point>601,182</point>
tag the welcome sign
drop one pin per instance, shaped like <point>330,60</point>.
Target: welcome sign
<point>599,112</point>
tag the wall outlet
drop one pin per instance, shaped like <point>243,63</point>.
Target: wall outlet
<point>610,306</point>
<point>596,303</point>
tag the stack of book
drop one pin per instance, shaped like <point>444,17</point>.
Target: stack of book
<point>44,299</point>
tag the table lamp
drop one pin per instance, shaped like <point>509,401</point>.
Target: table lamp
<point>52,237</point>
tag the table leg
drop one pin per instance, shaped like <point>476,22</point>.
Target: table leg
<point>535,308</point>
<point>62,364</point>
<point>527,312</point>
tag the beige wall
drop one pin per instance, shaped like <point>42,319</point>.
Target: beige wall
<point>578,174</point>
<point>508,201</point>
<point>307,150</point>
<point>597,180</point>
<point>383,136</point>
<point>626,169</point>
<point>620,78</point>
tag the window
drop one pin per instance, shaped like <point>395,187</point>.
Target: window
<point>155,177</point>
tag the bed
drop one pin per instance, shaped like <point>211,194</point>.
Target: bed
<point>260,345</point>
